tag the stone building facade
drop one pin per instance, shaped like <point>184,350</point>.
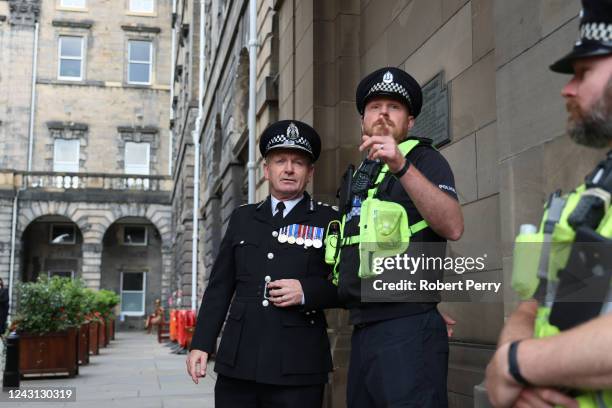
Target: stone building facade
<point>503,131</point>
<point>85,158</point>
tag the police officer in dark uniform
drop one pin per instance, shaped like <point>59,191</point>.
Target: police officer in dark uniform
<point>399,351</point>
<point>271,275</point>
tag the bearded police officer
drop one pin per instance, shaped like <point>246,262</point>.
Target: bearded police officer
<point>270,273</point>
<point>569,313</point>
<point>399,350</point>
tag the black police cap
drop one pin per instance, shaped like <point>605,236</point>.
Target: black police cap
<point>595,35</point>
<point>290,134</point>
<point>392,82</point>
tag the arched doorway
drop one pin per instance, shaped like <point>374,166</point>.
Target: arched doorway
<point>132,267</point>
<point>51,246</point>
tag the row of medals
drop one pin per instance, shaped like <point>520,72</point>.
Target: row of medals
<point>301,235</point>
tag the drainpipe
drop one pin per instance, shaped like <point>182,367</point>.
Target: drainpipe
<point>25,179</point>
<point>196,171</point>
<point>172,71</point>
<point>12,261</point>
<point>33,98</point>
<point>252,96</point>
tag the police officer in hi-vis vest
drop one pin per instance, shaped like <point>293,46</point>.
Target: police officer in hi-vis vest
<point>271,275</point>
<point>556,348</point>
<point>404,191</point>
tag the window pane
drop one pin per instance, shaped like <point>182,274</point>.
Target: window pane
<point>73,3</point>
<point>144,6</point>
<point>66,155</point>
<point>136,158</point>
<point>70,47</point>
<point>62,234</point>
<point>140,51</point>
<point>66,150</point>
<point>137,153</point>
<point>131,302</point>
<point>70,68</point>
<point>139,73</point>
<point>134,235</point>
<point>133,281</point>
<point>61,274</point>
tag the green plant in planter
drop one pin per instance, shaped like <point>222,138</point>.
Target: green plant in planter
<point>105,302</point>
<point>89,306</point>
<point>50,305</point>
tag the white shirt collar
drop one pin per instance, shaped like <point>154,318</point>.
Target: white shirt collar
<point>289,204</point>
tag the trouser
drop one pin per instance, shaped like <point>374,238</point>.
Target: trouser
<point>235,393</point>
<point>400,362</point>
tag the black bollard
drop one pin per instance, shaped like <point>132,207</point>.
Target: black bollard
<point>11,367</point>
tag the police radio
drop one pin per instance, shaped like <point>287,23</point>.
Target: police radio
<point>365,177</point>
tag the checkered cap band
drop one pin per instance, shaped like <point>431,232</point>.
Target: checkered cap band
<point>391,87</point>
<point>596,32</point>
<point>283,140</point>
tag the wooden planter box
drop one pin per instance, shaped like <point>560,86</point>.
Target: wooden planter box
<point>50,354</point>
<point>93,338</point>
<point>102,334</point>
<point>107,324</point>
<point>111,329</point>
<point>84,344</point>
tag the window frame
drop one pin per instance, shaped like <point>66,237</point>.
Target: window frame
<point>60,58</point>
<point>147,12</point>
<point>50,271</point>
<point>125,161</point>
<point>150,62</point>
<point>146,236</point>
<point>143,291</point>
<point>70,7</point>
<point>74,234</point>
<point>78,156</point>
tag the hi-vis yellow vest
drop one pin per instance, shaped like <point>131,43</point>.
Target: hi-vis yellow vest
<point>525,281</point>
<point>384,228</point>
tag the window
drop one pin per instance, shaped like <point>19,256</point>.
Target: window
<point>137,158</point>
<point>142,6</point>
<point>139,62</point>
<point>70,58</point>
<point>62,234</point>
<point>66,155</point>
<point>136,235</point>
<point>133,286</point>
<point>62,274</point>
<point>73,3</point>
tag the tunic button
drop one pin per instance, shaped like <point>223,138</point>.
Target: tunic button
<point>270,255</point>
<point>307,313</point>
<point>241,242</point>
<point>275,234</point>
<point>312,322</point>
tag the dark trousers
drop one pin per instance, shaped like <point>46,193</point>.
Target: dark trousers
<point>400,362</point>
<point>235,393</point>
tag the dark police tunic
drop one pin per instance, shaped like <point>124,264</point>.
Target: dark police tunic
<point>436,169</point>
<point>269,345</point>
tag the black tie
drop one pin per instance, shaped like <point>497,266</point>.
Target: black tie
<point>278,217</point>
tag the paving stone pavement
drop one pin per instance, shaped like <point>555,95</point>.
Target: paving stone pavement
<point>132,371</point>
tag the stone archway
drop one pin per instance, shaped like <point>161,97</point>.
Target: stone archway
<point>160,217</point>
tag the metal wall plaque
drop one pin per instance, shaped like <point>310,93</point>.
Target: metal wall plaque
<point>433,121</point>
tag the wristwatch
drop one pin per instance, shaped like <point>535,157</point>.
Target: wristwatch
<point>403,170</point>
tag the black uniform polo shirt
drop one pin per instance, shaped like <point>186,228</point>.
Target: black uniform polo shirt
<point>437,170</point>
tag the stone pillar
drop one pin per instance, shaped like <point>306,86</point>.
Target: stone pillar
<point>92,260</point>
